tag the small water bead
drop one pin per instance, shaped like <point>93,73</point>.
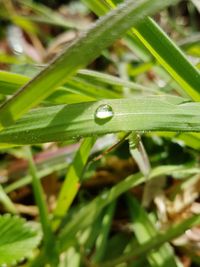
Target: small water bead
<point>104,112</point>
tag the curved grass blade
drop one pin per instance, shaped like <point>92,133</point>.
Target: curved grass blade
<point>80,53</point>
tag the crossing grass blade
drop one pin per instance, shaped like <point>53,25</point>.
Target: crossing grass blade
<point>100,8</point>
<point>80,53</point>
<point>63,122</point>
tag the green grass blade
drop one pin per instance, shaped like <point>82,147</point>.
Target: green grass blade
<point>92,90</point>
<point>100,8</point>
<point>49,240</point>
<point>64,97</point>
<point>78,54</point>
<point>59,123</point>
<point>89,235</point>
<point>72,181</point>
<point>117,244</point>
<point>83,83</point>
<point>8,59</point>
<point>39,194</point>
<point>112,80</point>
<point>10,82</point>
<point>170,57</point>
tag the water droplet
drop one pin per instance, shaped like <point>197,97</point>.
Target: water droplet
<point>104,112</point>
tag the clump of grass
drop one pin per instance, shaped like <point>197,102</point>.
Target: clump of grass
<point>116,144</point>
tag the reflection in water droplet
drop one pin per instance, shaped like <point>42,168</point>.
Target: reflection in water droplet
<point>104,112</point>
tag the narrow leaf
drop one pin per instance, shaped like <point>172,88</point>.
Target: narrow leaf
<point>59,123</point>
<point>72,181</point>
<point>49,240</point>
